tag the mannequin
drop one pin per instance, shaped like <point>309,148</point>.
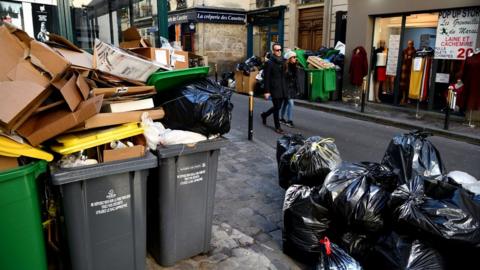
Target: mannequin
<point>380,68</point>
<point>407,57</point>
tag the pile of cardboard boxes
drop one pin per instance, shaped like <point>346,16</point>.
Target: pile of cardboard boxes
<point>50,89</point>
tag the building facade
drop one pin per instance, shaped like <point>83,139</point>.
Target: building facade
<point>442,35</point>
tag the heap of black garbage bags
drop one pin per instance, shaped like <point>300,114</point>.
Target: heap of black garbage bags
<point>402,214</point>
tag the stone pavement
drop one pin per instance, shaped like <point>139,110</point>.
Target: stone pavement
<point>247,230</point>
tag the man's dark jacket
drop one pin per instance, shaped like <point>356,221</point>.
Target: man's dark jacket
<point>275,78</point>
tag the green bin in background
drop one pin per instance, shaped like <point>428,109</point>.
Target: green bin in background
<point>22,244</point>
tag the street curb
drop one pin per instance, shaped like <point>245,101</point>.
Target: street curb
<point>387,121</point>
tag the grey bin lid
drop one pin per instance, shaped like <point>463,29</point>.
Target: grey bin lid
<point>182,149</point>
<point>70,175</point>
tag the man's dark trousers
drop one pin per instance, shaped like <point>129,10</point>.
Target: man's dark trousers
<point>277,105</point>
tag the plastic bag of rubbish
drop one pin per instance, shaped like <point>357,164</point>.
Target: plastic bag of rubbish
<point>465,180</point>
<point>287,146</point>
<point>358,194</point>
<point>305,222</point>
<point>287,141</point>
<point>334,258</point>
<point>201,106</point>
<point>412,154</point>
<point>396,252</point>
<point>315,159</point>
<point>437,208</point>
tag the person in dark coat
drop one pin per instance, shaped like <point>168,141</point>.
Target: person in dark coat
<point>275,88</point>
<point>292,84</point>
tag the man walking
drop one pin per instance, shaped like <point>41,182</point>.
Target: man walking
<point>275,86</point>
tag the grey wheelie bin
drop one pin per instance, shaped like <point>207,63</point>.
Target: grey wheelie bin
<point>105,213</point>
<point>181,194</point>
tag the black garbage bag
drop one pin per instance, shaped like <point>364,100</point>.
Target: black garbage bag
<point>396,252</point>
<point>334,258</point>
<point>287,146</point>
<point>226,76</point>
<point>200,106</point>
<point>315,159</point>
<point>358,194</point>
<point>254,61</point>
<point>412,154</point>
<point>435,208</point>
<point>358,245</point>
<point>305,221</point>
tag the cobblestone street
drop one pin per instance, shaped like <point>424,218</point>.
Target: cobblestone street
<point>247,231</point>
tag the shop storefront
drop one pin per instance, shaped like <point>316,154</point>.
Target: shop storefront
<point>265,27</point>
<point>37,18</point>
<point>417,51</point>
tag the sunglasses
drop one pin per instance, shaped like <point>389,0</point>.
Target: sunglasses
<point>278,50</point>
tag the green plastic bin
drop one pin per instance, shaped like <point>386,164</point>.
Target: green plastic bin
<point>322,82</point>
<point>165,80</point>
<point>22,244</point>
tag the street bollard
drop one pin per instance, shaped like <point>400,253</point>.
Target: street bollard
<point>451,102</point>
<point>364,90</point>
<point>250,115</point>
<point>216,74</point>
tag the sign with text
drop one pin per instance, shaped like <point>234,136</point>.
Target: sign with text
<point>220,17</point>
<point>457,32</point>
<point>393,49</point>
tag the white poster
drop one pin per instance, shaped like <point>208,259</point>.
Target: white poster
<point>457,33</point>
<point>393,48</point>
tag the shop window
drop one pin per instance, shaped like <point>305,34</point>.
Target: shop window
<point>265,3</point>
<point>303,2</point>
<point>384,59</point>
<point>181,4</point>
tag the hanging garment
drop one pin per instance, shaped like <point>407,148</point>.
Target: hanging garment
<point>416,77</point>
<point>426,78</point>
<point>358,66</point>
<point>472,81</point>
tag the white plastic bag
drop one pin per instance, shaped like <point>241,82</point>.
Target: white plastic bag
<point>341,47</point>
<point>151,131</point>
<point>155,133</point>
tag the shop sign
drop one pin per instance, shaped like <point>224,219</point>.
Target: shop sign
<point>181,18</point>
<point>44,21</point>
<point>220,17</point>
<point>457,32</point>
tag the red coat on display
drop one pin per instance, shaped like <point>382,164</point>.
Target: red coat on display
<point>471,80</point>
<point>358,66</point>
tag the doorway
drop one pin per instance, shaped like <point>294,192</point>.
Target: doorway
<point>310,28</point>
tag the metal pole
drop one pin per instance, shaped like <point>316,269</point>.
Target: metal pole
<point>364,90</point>
<point>250,115</point>
<point>216,74</point>
<point>162,20</point>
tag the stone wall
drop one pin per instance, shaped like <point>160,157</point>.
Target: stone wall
<point>224,44</point>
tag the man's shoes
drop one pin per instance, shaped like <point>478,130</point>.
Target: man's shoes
<point>289,124</point>
<point>282,121</point>
<point>279,131</point>
<point>264,118</point>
